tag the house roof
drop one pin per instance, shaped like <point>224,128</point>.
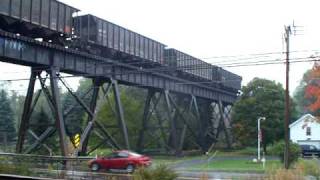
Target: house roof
<point>306,116</point>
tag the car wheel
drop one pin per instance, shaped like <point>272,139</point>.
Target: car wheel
<point>130,168</point>
<point>95,167</point>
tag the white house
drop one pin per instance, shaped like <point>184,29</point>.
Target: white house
<point>306,130</point>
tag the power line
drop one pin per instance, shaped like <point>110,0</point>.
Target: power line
<point>300,60</point>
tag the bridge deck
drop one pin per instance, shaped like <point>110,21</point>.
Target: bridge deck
<point>26,51</point>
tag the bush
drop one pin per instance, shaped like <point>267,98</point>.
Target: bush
<point>160,172</point>
<point>279,147</point>
<point>15,169</point>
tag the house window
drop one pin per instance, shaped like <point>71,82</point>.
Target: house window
<point>308,132</point>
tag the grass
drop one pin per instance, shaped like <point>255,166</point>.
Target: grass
<point>171,160</point>
<point>248,151</point>
<point>238,166</point>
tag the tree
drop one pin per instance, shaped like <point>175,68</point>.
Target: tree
<point>260,98</point>
<point>311,90</point>
<point>299,95</point>
<point>40,121</point>
<point>6,116</point>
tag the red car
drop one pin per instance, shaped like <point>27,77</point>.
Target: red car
<point>123,160</point>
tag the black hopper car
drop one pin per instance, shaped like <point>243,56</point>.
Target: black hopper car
<point>116,41</point>
<point>199,70</point>
<point>49,19</point>
<point>55,22</point>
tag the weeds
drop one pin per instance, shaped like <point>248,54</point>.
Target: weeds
<point>160,172</point>
<point>309,167</point>
<point>286,174</point>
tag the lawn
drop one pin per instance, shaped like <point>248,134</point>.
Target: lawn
<point>235,165</point>
<point>171,160</point>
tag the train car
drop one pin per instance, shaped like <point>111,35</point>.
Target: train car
<point>100,32</point>
<point>188,64</point>
<point>36,17</point>
<point>229,79</point>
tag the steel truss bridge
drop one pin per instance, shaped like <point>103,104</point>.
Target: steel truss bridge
<point>209,107</point>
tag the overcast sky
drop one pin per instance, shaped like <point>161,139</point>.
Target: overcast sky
<point>211,28</point>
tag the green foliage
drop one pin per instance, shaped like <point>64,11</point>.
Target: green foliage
<point>15,169</point>
<point>160,172</point>
<point>6,116</point>
<point>299,95</point>
<point>17,102</point>
<point>261,97</point>
<point>295,151</point>
<point>40,121</point>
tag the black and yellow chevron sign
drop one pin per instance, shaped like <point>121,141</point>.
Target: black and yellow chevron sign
<point>76,140</point>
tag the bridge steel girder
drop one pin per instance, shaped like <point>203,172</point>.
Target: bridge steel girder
<point>145,119</point>
<point>26,114</point>
<point>174,139</point>
<point>120,113</point>
<point>225,113</point>
<point>39,140</point>
<point>53,100</point>
<point>58,112</point>
<point>94,108</point>
<point>26,51</point>
<point>220,121</point>
<point>91,114</point>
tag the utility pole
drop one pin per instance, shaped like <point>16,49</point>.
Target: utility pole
<point>288,32</point>
<point>287,105</point>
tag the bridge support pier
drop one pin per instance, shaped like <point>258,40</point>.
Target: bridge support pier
<point>53,99</point>
<point>221,121</point>
<point>52,96</point>
<point>175,117</point>
<point>94,109</point>
<point>25,119</point>
<point>173,128</point>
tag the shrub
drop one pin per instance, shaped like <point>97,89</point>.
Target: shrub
<point>14,169</point>
<point>160,172</point>
<point>279,147</point>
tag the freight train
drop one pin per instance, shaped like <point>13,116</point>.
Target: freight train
<point>56,22</point>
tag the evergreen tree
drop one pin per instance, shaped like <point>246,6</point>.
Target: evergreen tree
<point>40,121</point>
<point>6,116</point>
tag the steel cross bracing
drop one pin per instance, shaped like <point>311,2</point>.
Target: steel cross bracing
<point>52,96</point>
<point>26,51</point>
<point>180,114</point>
<point>220,121</point>
<point>169,119</point>
<point>174,123</point>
